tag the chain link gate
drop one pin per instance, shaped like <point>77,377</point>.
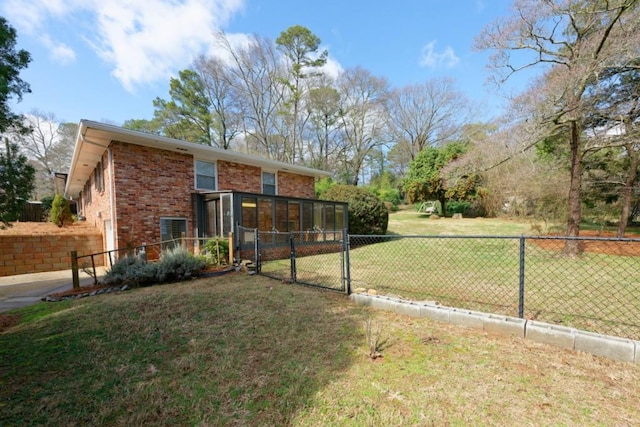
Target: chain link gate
<point>295,257</point>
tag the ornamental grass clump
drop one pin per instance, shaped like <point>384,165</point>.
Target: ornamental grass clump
<point>132,271</point>
<point>178,264</point>
<point>174,265</point>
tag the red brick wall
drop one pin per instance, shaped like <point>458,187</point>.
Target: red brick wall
<point>239,177</point>
<point>292,185</point>
<point>94,203</point>
<point>149,184</point>
<point>152,183</point>
<point>36,254</point>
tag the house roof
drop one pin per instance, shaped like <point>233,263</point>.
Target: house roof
<point>94,138</point>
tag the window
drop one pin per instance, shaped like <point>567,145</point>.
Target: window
<point>269,183</point>
<point>171,230</point>
<point>98,177</point>
<point>205,175</point>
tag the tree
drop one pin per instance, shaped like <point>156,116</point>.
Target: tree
<point>11,62</point>
<point>300,46</point>
<point>50,145</point>
<point>60,213</point>
<point>224,101</point>
<point>323,107</point>
<point>16,182</point>
<point>361,117</point>
<point>574,40</point>
<point>425,180</point>
<point>187,114</point>
<point>615,98</point>
<point>255,72</point>
<point>426,114</point>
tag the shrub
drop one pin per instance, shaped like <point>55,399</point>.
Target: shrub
<point>60,213</point>
<point>178,264</point>
<point>132,271</point>
<point>322,186</point>
<point>367,213</point>
<point>458,206</point>
<point>216,251</point>
<point>391,196</point>
<point>47,202</point>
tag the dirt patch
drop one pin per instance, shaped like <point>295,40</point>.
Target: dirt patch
<point>8,320</point>
<point>608,247</point>
<point>47,228</point>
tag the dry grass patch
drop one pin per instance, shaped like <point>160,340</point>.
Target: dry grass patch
<point>247,350</point>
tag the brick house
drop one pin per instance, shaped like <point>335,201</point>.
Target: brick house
<point>139,188</point>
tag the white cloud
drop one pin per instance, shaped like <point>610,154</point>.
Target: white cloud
<point>60,52</point>
<point>429,58</point>
<point>332,68</point>
<point>143,40</point>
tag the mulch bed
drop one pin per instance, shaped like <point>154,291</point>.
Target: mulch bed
<point>595,246</point>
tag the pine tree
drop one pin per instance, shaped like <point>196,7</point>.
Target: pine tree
<point>16,182</point>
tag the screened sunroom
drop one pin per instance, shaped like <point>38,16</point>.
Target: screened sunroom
<point>219,213</point>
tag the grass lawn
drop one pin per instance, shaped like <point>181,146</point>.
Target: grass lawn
<point>247,350</point>
<point>409,222</point>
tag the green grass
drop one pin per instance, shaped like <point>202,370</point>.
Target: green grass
<point>247,350</point>
<point>409,222</point>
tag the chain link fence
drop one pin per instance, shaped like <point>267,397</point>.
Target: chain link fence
<point>596,288</point>
<point>529,277</point>
<point>314,258</point>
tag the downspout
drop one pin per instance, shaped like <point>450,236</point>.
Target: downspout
<point>112,199</point>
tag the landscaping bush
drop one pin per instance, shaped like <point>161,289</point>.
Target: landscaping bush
<point>174,265</point>
<point>216,251</point>
<point>455,206</point>
<point>178,264</point>
<point>60,213</point>
<point>132,271</point>
<point>367,213</point>
<point>391,197</point>
<point>47,203</point>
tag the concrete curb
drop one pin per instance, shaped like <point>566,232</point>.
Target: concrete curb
<point>611,347</point>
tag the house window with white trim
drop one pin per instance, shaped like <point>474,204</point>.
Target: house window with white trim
<point>269,183</point>
<point>205,175</point>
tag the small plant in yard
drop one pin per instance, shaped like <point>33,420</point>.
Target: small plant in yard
<point>373,334</point>
<point>60,213</point>
<point>216,251</point>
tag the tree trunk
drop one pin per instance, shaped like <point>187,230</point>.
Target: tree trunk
<point>627,192</point>
<point>572,247</point>
<point>443,205</point>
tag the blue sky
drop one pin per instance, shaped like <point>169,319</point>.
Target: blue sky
<point>106,60</point>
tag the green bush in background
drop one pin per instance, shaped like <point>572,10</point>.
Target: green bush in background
<point>367,213</point>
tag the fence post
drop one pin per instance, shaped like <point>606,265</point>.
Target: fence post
<point>231,258</point>
<point>256,251</point>
<point>347,262</point>
<point>74,269</point>
<point>183,240</point>
<point>521,280</point>
<point>293,257</point>
<point>93,265</point>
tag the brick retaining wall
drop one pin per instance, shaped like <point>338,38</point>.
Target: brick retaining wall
<point>42,253</point>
